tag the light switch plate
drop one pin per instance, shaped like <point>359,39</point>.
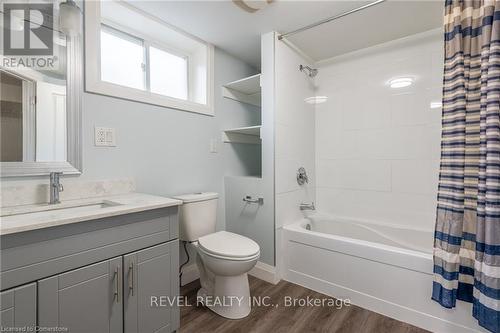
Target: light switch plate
<point>110,137</point>
<point>104,137</point>
<point>213,145</point>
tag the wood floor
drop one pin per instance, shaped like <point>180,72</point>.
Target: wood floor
<point>350,319</point>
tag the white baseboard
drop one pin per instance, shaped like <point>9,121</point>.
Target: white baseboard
<point>261,271</point>
<point>386,308</point>
<point>265,272</point>
<point>189,274</point>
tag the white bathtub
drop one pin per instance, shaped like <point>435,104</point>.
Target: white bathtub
<point>384,268</point>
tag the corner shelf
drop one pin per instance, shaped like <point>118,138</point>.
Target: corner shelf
<point>248,135</point>
<point>246,90</point>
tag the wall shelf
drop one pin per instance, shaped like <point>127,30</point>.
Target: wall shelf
<point>248,135</point>
<point>246,90</point>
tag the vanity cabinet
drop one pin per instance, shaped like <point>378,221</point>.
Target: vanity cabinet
<point>148,279</point>
<point>83,300</point>
<point>18,306</point>
<point>101,276</point>
<point>114,295</point>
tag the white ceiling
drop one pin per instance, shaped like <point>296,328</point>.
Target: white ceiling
<point>230,28</point>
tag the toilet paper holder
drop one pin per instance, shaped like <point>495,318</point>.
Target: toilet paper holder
<point>250,200</point>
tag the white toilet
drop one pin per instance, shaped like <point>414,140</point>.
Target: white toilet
<point>223,258</point>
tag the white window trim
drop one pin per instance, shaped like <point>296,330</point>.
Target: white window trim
<point>94,84</point>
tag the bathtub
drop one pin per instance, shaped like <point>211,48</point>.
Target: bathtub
<point>384,268</point>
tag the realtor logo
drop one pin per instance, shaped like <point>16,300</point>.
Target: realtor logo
<point>28,29</point>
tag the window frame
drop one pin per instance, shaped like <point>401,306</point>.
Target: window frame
<point>94,84</point>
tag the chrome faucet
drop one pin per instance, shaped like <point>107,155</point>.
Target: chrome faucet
<point>55,188</point>
<point>307,206</point>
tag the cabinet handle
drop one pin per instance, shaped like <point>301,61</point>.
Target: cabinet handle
<point>131,278</point>
<point>116,278</point>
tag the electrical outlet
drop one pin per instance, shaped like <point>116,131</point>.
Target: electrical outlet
<point>104,137</point>
<point>99,136</point>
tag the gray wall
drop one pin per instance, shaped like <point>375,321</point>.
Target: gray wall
<point>166,151</point>
<point>250,220</point>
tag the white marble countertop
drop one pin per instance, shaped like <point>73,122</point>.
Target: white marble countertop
<point>31,217</point>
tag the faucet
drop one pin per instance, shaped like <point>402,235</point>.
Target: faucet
<point>55,188</point>
<point>307,206</point>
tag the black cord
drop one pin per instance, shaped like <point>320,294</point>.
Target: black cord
<point>185,263</point>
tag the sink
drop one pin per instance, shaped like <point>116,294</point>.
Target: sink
<point>62,207</point>
<point>86,207</point>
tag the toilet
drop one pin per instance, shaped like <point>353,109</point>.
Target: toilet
<point>223,258</point>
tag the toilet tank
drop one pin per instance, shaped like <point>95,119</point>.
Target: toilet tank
<point>197,215</point>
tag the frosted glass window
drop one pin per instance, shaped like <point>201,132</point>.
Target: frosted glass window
<point>168,74</point>
<point>122,59</point>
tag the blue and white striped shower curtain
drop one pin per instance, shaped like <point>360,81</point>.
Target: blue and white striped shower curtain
<point>467,236</point>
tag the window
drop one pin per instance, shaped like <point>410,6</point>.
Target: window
<point>147,67</point>
<point>168,74</point>
<point>119,52</point>
<point>133,55</point>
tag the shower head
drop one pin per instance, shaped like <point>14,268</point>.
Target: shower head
<point>311,72</point>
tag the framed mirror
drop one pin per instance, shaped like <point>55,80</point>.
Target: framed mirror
<point>40,107</point>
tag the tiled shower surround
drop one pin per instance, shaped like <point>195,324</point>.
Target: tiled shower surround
<point>377,147</point>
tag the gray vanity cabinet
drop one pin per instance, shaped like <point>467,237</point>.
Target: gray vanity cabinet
<point>97,276</point>
<point>87,299</point>
<point>122,294</point>
<point>151,282</point>
<point>18,306</point>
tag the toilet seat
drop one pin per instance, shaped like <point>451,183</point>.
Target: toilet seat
<point>228,245</point>
<point>225,258</point>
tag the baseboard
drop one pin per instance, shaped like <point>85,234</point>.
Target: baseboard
<point>265,272</point>
<point>386,308</point>
<point>189,274</point>
<point>261,271</point>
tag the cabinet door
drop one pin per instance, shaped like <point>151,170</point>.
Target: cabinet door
<point>150,286</point>
<point>18,307</point>
<point>87,299</point>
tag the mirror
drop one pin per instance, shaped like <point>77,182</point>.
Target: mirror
<point>40,105</point>
<point>33,117</point>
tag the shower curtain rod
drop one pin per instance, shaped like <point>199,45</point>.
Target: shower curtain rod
<point>280,37</point>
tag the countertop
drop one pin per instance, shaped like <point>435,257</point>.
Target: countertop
<point>31,217</point>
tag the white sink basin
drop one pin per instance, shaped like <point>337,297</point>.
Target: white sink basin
<point>60,208</point>
<point>16,219</point>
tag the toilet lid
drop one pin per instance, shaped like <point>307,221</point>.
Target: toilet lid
<point>228,244</point>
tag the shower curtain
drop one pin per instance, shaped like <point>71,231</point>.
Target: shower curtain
<point>467,235</point>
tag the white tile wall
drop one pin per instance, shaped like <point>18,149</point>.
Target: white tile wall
<point>357,174</point>
<point>294,128</point>
<point>295,139</point>
<point>377,148</point>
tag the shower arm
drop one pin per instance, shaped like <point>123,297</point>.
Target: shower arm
<point>311,72</point>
